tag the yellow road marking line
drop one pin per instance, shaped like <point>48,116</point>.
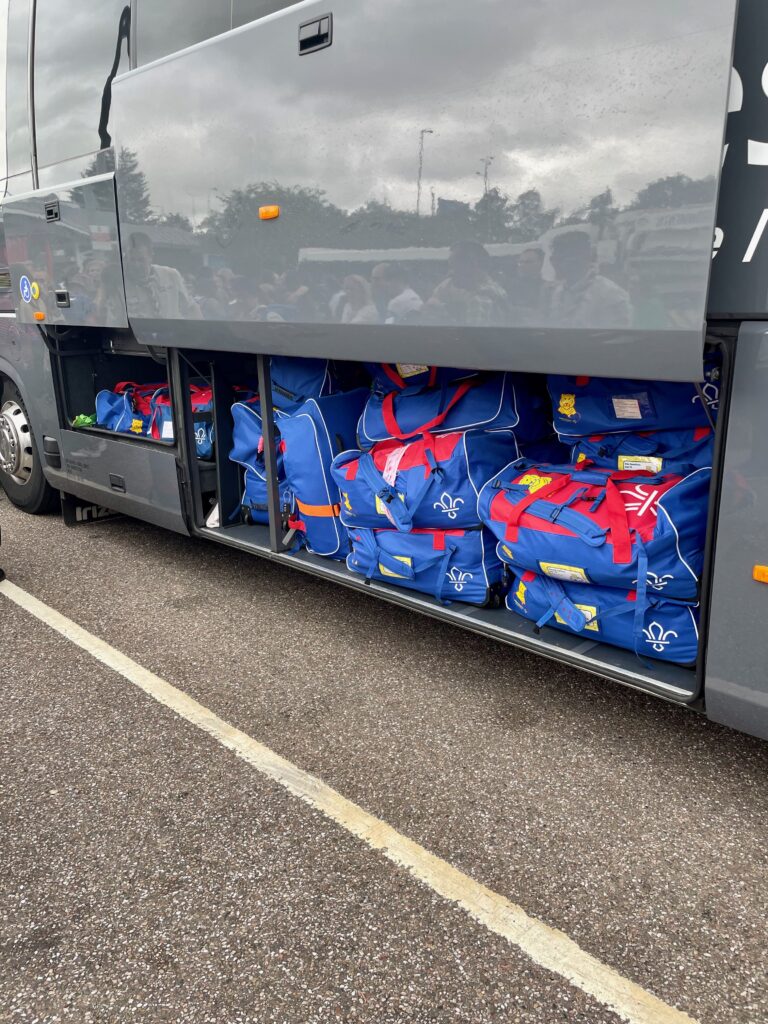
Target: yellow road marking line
<point>548,947</point>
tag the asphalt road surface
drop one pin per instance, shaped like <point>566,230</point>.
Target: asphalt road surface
<point>147,874</point>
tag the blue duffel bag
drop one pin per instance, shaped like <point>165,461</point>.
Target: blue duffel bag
<point>657,451</point>
<point>451,565</point>
<point>248,452</point>
<point>599,405</point>
<point>499,401</point>
<point>310,437</point>
<point>599,526</point>
<point>431,483</point>
<point>295,379</point>
<point>652,627</point>
<point>126,408</point>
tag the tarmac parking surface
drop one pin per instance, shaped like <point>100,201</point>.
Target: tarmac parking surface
<point>149,874</point>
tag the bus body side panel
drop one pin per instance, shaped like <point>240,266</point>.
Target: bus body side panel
<point>25,361</point>
<point>442,139</point>
<point>736,688</point>
<point>127,476</point>
<point>50,235</point>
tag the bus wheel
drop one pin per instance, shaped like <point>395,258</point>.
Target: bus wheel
<point>21,474</point>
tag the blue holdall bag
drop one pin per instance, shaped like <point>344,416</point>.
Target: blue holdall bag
<point>599,405</point>
<point>499,401</point>
<point>295,379</point>
<point>599,526</point>
<point>310,437</point>
<point>201,400</point>
<point>450,565</point>
<point>126,408</point>
<point>652,627</point>
<point>248,452</point>
<point>432,483</point>
<point>657,451</point>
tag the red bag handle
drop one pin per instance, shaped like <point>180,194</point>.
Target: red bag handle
<point>519,507</point>
<point>123,386</point>
<point>390,420</point>
<point>618,524</point>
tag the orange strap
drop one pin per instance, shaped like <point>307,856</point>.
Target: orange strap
<point>325,511</point>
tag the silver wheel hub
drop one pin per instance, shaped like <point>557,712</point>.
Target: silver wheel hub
<point>16,453</point>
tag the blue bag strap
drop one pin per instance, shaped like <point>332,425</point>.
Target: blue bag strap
<point>560,604</point>
<point>401,513</point>
<point>589,532</point>
<point>642,603</point>
<point>442,574</point>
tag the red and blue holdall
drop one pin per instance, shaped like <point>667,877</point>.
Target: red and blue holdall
<point>399,376</point>
<point>654,627</point>
<point>161,422</point>
<point>432,483</point>
<point>599,526</point>
<point>126,408</point>
<point>499,401</point>
<point>450,565</point>
<point>656,451</point>
<point>602,405</point>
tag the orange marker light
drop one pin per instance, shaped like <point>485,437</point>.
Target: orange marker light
<point>39,316</point>
<point>760,573</point>
<point>269,212</point>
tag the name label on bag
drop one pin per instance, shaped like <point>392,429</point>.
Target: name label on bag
<point>389,572</point>
<point>569,573</point>
<point>589,613</point>
<point>639,463</point>
<point>627,409</point>
<point>407,370</point>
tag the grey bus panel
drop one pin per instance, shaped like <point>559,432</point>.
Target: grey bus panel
<point>441,143</point>
<point>736,687</point>
<point>65,241</point>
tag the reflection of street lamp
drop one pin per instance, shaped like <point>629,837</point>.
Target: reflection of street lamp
<point>422,133</point>
<point>486,162</point>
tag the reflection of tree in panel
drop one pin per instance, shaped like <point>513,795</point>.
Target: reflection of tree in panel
<point>135,204</point>
<point>674,191</point>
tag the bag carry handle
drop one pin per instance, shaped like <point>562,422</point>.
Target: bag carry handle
<point>402,513</point>
<point>618,524</point>
<point>393,427</point>
<point>525,503</point>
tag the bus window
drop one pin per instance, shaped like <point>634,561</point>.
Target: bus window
<point>244,11</point>
<point>163,28</point>
<point>3,49</point>
<point>78,49</point>
<point>19,147</point>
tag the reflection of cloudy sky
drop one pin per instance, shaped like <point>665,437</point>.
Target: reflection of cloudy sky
<point>567,100</point>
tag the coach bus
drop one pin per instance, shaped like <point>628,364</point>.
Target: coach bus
<point>525,244</point>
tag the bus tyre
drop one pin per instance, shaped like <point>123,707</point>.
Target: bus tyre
<point>21,472</point>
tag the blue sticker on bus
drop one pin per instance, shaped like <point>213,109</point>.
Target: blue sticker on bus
<point>26,289</point>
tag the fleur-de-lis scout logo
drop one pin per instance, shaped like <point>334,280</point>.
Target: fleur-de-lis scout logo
<point>711,393</point>
<point>641,500</point>
<point>458,579</point>
<point>658,637</point>
<point>567,405</point>
<point>200,435</point>
<point>656,582</point>
<point>449,505</point>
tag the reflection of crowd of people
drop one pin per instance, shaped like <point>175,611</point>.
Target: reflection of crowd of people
<point>472,291</point>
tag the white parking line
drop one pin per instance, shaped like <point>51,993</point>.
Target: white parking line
<point>546,946</point>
